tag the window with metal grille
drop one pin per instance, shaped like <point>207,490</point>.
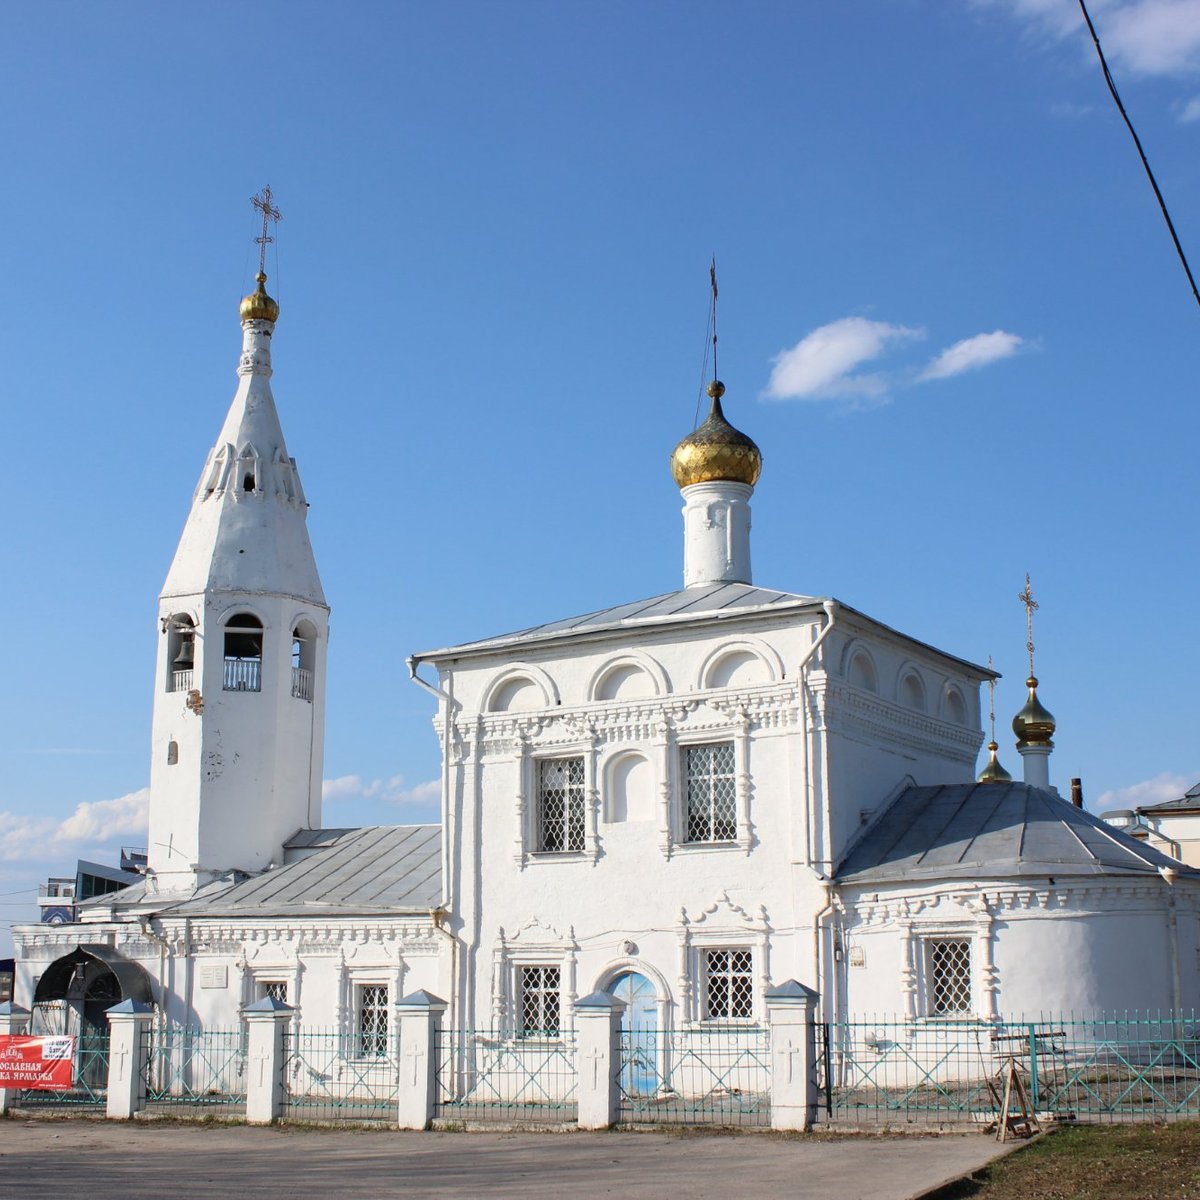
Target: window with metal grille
<point>948,976</point>
<point>372,1020</point>
<point>728,984</point>
<point>273,989</point>
<point>539,1001</point>
<point>711,793</point>
<point>560,823</point>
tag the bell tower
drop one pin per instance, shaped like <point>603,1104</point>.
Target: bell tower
<point>239,690</point>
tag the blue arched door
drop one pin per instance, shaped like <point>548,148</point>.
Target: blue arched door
<point>639,1029</point>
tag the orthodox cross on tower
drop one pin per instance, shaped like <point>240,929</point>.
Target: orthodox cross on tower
<point>1031,606</point>
<point>712,277</point>
<point>269,213</point>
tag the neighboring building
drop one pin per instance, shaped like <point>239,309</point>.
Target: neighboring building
<point>683,800</point>
<point>59,897</point>
<point>1175,825</point>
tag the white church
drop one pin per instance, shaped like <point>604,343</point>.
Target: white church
<point>682,801</point>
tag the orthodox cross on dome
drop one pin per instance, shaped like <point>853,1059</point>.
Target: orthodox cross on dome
<point>712,278</point>
<point>1031,606</point>
<point>992,699</point>
<point>269,213</point>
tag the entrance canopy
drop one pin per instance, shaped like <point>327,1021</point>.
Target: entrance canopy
<point>131,979</point>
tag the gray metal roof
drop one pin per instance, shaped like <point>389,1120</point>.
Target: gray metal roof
<point>1188,802</point>
<point>985,831</point>
<point>707,602</point>
<point>377,869</point>
<point>713,599</point>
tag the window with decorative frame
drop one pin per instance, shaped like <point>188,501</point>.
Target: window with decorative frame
<point>371,1017</point>
<point>539,993</point>
<point>560,819</point>
<point>728,983</point>
<point>948,983</point>
<point>710,792</point>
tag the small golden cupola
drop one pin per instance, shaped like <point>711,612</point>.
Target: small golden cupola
<point>993,772</point>
<point>1034,724</point>
<point>258,306</point>
<point>715,451</point>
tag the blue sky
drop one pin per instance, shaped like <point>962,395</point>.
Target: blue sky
<point>950,316</point>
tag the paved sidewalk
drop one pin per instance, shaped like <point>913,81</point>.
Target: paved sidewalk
<point>100,1160</point>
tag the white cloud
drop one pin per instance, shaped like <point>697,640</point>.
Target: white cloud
<point>1191,110</point>
<point>972,353</point>
<point>822,364</point>
<point>1153,37</point>
<point>1149,37</point>
<point>97,822</point>
<point>1150,791</point>
<point>391,791</point>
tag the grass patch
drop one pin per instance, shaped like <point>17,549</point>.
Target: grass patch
<point>1095,1162</point>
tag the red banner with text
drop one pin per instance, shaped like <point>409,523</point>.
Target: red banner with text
<point>40,1063</point>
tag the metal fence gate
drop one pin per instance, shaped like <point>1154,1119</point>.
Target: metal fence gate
<point>711,1076</point>
<point>486,1075</point>
<point>888,1071</point>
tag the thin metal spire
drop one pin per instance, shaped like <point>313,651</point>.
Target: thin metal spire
<point>992,700</point>
<point>712,275</point>
<point>269,213</point>
<point>1031,606</point>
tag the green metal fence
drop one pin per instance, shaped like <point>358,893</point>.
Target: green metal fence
<point>718,1075</point>
<point>332,1075</point>
<point>1127,1067</point>
<point>90,1087</point>
<point>488,1075</point>
<point>200,1069</point>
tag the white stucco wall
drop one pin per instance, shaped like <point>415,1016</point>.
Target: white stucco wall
<point>638,897</point>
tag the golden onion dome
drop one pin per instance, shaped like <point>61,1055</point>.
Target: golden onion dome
<point>258,306</point>
<point>1033,725</point>
<point>994,772</point>
<point>716,451</point>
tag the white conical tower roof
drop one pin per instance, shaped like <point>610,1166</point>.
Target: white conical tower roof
<point>247,531</point>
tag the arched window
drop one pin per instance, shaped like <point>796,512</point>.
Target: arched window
<point>181,652</point>
<point>954,706</point>
<point>912,691</point>
<point>243,653</point>
<point>304,655</point>
<point>862,672</point>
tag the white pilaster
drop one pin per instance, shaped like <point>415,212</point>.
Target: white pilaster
<point>791,1010</point>
<point>128,1025</point>
<point>716,533</point>
<point>420,1018</point>
<point>266,1022</point>
<point>597,1048</point>
<point>13,1020</point>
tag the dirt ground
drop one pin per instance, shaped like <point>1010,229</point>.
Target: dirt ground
<point>128,1160</point>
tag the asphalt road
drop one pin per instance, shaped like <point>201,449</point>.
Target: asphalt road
<point>99,1160</point>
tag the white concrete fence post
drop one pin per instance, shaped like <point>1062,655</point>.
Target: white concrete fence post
<point>13,1019</point>
<point>598,1059</point>
<point>420,1019</point>
<point>266,1022</point>
<point>128,1047</point>
<point>791,1016</point>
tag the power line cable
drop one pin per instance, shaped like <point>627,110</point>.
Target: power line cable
<point>1162,204</point>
